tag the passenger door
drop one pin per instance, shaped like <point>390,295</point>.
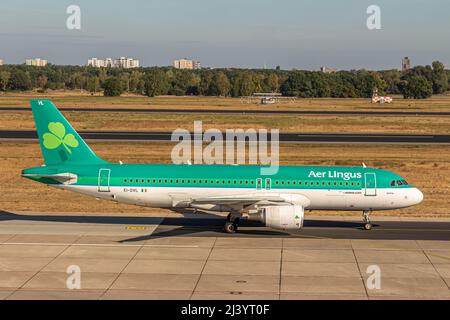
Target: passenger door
<point>370,179</point>
<point>103,180</point>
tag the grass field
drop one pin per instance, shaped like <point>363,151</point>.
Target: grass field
<point>75,99</point>
<point>286,123</point>
<point>21,120</point>
<point>427,167</point>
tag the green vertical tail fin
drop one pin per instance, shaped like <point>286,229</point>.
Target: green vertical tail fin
<point>60,143</point>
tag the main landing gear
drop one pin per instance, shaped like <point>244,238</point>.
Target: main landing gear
<point>366,219</point>
<point>231,226</point>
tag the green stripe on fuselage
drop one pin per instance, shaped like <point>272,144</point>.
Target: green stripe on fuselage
<point>224,176</point>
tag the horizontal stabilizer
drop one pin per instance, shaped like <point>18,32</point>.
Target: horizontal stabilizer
<point>65,178</point>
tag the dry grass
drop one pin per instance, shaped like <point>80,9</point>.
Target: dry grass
<point>75,99</point>
<point>285,123</point>
<point>427,167</point>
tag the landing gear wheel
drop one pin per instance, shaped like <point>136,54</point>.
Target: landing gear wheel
<point>366,218</point>
<point>230,227</point>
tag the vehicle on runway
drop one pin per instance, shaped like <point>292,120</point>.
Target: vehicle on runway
<point>278,201</point>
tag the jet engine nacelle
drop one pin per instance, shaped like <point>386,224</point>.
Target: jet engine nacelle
<point>288,217</point>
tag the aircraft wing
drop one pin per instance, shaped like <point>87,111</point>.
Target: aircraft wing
<point>259,199</point>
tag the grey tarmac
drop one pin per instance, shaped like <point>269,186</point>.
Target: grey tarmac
<point>136,257</point>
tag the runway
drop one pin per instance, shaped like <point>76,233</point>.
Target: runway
<point>283,137</point>
<point>234,111</point>
<point>189,258</point>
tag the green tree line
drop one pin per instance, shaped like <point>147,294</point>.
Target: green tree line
<point>419,82</point>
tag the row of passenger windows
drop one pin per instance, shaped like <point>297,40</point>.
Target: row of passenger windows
<point>398,183</point>
<point>242,182</point>
<point>188,181</point>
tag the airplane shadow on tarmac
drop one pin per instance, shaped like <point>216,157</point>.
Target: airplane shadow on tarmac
<point>200,225</point>
<point>178,226</point>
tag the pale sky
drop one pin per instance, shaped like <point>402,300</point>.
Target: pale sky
<point>302,34</point>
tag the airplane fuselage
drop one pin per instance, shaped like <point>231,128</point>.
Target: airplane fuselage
<point>174,186</point>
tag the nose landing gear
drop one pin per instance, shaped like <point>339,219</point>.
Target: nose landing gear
<point>366,220</point>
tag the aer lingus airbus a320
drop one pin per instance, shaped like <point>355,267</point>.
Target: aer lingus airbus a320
<point>278,201</point>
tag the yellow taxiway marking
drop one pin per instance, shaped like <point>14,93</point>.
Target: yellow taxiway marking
<point>139,228</point>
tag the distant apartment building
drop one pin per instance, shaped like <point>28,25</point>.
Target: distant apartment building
<point>37,62</point>
<point>328,70</point>
<point>1,62</point>
<point>197,64</point>
<point>186,64</point>
<point>97,63</point>
<point>406,64</point>
<point>127,63</point>
<point>122,62</point>
<point>108,62</point>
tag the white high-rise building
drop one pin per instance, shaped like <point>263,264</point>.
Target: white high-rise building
<point>122,62</point>
<point>37,62</point>
<point>126,63</point>
<point>1,62</point>
<point>108,62</point>
<point>97,63</point>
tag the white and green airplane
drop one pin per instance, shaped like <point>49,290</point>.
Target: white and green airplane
<point>278,201</point>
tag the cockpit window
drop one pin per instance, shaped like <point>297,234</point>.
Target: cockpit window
<point>402,183</point>
<point>398,183</point>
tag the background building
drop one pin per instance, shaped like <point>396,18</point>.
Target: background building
<point>1,62</point>
<point>122,62</point>
<point>327,70</point>
<point>406,64</point>
<point>127,63</point>
<point>37,62</point>
<point>97,63</point>
<point>197,64</point>
<point>108,62</point>
<point>186,64</point>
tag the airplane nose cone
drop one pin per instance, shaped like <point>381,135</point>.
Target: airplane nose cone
<point>418,196</point>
